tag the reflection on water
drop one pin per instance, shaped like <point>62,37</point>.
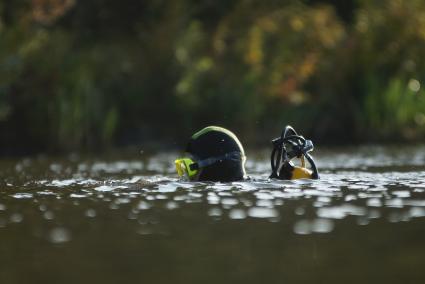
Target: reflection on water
<point>125,220</point>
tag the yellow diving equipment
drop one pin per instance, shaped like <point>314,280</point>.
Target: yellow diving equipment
<point>287,147</point>
<point>301,172</point>
<point>184,167</point>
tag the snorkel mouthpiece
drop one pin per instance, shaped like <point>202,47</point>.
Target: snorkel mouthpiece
<point>287,147</point>
<point>186,167</point>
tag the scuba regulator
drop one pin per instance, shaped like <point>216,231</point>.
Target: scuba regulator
<point>287,147</point>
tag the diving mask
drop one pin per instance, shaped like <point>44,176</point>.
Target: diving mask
<point>189,168</point>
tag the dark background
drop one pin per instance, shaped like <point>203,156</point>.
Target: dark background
<point>95,75</point>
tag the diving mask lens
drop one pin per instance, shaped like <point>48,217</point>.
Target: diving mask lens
<point>183,167</point>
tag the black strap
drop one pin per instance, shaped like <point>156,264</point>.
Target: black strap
<point>299,147</point>
<point>235,156</point>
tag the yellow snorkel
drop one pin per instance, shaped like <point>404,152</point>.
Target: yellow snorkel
<point>186,167</point>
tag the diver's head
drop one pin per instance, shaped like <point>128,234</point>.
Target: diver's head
<point>214,154</point>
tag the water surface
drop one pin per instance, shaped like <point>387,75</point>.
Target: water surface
<point>128,219</point>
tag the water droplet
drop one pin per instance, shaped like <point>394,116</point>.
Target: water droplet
<point>374,202</point>
<point>265,203</point>
<point>229,201</point>
<point>59,235</point>
<point>264,195</point>
<point>305,227</point>
<point>165,188</point>
<point>113,206</point>
<point>74,195</point>
<point>374,214</point>
<point>261,212</point>
<point>213,199</point>
<point>322,226</point>
<point>302,227</point>
<point>401,193</point>
<point>214,212</point>
<point>417,212</point>
<point>416,203</point>
<point>132,215</point>
<point>340,212</point>
<point>62,183</point>
<point>395,217</point>
<point>170,205</point>
<point>91,213</point>
<point>104,188</point>
<point>16,218</point>
<point>161,197</point>
<point>145,231</point>
<point>350,197</point>
<point>22,195</point>
<point>362,221</point>
<point>48,215</point>
<point>122,200</point>
<point>237,214</point>
<point>143,205</point>
<point>299,211</point>
<point>395,202</point>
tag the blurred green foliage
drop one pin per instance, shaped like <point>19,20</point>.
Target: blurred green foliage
<point>92,74</point>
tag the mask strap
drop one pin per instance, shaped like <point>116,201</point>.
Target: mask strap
<point>235,156</point>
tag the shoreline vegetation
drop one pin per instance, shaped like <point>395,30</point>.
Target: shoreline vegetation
<point>94,75</point>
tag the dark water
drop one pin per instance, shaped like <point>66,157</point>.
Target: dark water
<point>127,219</point>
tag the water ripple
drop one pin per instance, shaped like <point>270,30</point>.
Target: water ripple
<point>376,184</point>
